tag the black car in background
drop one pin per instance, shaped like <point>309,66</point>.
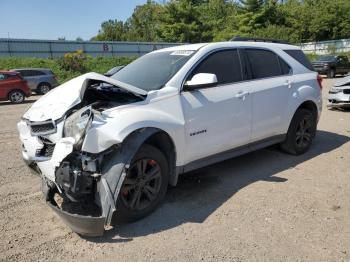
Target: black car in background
<point>331,65</point>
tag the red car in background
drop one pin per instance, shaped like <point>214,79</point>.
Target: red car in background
<point>13,87</point>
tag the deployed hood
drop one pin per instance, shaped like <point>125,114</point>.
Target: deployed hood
<point>54,104</point>
<point>342,81</point>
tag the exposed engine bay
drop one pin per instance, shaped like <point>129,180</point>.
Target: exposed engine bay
<point>103,96</point>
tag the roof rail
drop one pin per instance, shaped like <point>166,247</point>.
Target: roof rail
<point>255,39</point>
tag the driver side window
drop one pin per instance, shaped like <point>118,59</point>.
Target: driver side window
<point>224,64</point>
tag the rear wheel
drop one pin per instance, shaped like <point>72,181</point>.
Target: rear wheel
<point>16,96</point>
<point>301,132</point>
<point>43,88</point>
<point>144,186</point>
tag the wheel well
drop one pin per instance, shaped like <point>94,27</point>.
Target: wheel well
<point>164,143</point>
<point>311,106</point>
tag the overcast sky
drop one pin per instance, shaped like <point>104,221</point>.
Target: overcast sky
<point>50,19</point>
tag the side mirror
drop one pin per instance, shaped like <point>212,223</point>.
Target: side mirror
<point>201,80</point>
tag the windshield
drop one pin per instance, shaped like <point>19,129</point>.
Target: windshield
<point>326,58</point>
<point>154,70</point>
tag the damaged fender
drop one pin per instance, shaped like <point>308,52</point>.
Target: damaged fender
<point>115,169</point>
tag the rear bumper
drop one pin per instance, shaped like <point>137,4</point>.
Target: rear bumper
<point>323,71</point>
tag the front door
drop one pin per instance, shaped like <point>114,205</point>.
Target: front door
<point>217,118</point>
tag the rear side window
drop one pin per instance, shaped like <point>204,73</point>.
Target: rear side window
<point>264,63</point>
<point>300,57</point>
<point>31,73</point>
<point>224,64</point>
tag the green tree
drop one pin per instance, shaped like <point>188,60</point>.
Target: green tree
<point>144,22</point>
<point>180,22</point>
<point>111,30</point>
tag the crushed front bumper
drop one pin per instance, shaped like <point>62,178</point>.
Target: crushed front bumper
<point>82,224</point>
<point>338,100</point>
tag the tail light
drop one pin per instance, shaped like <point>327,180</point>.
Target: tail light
<point>319,80</point>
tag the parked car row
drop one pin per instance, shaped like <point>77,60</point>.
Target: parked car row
<point>40,80</point>
<point>17,84</point>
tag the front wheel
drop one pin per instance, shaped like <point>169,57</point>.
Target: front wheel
<point>301,132</point>
<point>144,186</point>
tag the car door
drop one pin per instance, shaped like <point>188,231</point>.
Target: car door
<point>271,90</point>
<point>31,77</point>
<point>217,118</point>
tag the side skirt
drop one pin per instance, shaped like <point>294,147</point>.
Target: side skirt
<point>206,161</point>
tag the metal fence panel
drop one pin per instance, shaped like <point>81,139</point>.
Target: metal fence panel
<point>325,47</point>
<point>57,48</point>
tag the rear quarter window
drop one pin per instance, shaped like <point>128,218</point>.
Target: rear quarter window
<point>301,58</point>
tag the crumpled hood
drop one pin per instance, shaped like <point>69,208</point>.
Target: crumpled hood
<point>342,81</point>
<point>55,104</point>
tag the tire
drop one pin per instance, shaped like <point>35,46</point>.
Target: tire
<point>331,73</point>
<point>43,88</point>
<point>301,133</point>
<point>147,158</point>
<point>16,97</point>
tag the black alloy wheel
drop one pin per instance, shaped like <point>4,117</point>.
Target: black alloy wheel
<point>304,133</point>
<point>142,184</point>
<point>301,132</point>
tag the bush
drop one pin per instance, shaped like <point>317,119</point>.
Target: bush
<point>73,61</point>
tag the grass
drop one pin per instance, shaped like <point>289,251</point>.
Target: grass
<point>91,64</point>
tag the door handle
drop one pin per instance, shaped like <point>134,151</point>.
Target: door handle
<point>241,94</point>
<point>288,84</point>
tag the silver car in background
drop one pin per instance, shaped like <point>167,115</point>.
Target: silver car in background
<point>339,93</point>
<point>40,80</point>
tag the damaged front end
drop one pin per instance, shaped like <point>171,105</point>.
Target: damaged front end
<point>339,94</point>
<point>81,187</point>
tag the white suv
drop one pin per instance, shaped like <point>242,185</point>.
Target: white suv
<point>109,146</point>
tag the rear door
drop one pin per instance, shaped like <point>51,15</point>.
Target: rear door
<point>272,88</point>
<point>217,118</point>
<point>33,77</point>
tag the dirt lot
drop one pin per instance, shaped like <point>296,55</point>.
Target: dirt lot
<point>264,206</point>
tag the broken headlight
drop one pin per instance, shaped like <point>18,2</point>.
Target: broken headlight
<point>76,125</point>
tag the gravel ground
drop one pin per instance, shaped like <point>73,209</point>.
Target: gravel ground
<point>264,206</point>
